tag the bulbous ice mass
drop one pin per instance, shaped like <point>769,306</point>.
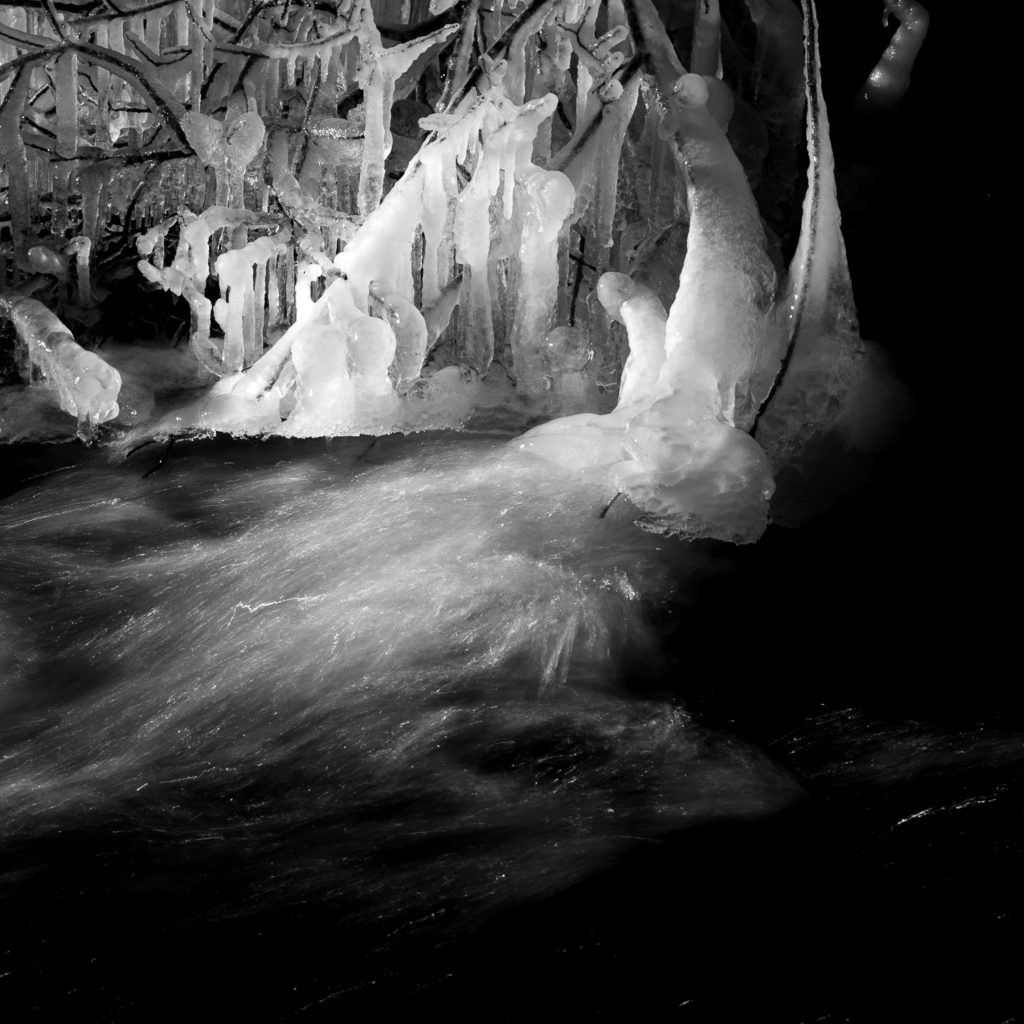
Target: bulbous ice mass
<point>84,384</point>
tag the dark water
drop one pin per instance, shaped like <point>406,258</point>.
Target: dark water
<point>331,731</point>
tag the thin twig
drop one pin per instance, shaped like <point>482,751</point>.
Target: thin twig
<point>163,459</point>
<point>604,511</point>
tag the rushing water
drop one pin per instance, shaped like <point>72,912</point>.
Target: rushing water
<point>306,730</point>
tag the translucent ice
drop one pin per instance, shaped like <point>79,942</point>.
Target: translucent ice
<point>827,376</point>
<point>547,198</point>
<point>410,331</point>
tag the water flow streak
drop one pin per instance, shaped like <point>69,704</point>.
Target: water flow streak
<point>393,685</point>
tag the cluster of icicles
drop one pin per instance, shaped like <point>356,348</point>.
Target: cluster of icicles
<point>703,411</point>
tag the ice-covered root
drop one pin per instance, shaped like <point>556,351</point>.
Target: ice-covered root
<point>644,317</point>
<point>890,78</point>
<point>85,385</point>
<point>714,481</point>
<point>688,466</point>
<point>410,331</point>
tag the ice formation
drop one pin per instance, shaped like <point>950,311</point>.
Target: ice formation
<point>890,77</point>
<point>84,385</point>
<point>395,216</point>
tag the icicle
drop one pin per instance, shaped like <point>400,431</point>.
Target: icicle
<point>472,246</point>
<point>60,177</point>
<point>289,273</point>
<point>81,248</point>
<point>705,57</point>
<point>15,160</point>
<point>66,88</point>
<point>379,69</point>
<point>272,83</point>
<point>274,312</point>
<point>617,117</point>
<point>515,79</point>
<point>376,103</point>
<point>102,38</point>
<point>197,68</point>
<point>235,311</point>
<point>547,199</point>
<point>584,83</point>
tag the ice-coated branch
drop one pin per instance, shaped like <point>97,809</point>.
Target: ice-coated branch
<point>379,70</point>
<point>84,385</point>
<point>658,52</point>
<point>525,23</point>
<point>458,64</point>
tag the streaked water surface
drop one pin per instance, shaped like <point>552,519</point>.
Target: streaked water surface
<point>329,728</point>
